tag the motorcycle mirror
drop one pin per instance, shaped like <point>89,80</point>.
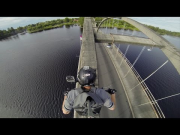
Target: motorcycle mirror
<point>70,79</point>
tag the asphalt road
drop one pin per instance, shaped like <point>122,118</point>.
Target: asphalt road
<point>108,78</point>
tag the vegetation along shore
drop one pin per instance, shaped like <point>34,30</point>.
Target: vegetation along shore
<point>42,26</point>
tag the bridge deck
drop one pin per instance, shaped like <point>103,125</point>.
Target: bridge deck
<point>108,77</point>
<point>136,96</point>
<point>127,101</point>
<point>87,54</point>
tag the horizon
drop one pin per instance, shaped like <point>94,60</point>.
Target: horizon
<point>167,23</point>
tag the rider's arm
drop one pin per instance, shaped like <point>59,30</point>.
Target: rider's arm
<point>113,98</point>
<point>68,102</point>
<point>65,111</point>
<point>109,99</point>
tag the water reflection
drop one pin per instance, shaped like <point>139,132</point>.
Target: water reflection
<point>10,38</point>
<point>16,36</point>
<point>37,32</point>
<point>67,26</point>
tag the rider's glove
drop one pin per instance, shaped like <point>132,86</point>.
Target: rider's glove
<point>65,93</point>
<point>111,91</point>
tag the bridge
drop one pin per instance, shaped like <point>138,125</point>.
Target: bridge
<point>133,97</point>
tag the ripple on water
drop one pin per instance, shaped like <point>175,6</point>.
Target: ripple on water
<point>33,74</point>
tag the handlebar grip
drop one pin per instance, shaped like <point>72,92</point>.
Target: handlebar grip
<point>111,91</point>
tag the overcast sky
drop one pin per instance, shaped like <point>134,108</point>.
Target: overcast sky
<point>168,23</point>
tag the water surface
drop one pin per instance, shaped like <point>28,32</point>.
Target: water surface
<point>33,68</point>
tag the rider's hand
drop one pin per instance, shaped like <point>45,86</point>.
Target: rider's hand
<point>65,93</point>
<point>111,91</point>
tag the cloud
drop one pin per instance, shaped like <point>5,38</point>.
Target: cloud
<point>6,22</point>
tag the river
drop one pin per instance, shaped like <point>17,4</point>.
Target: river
<point>33,68</point>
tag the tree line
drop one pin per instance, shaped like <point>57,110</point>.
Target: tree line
<point>163,31</point>
<point>31,28</point>
<point>51,24</point>
<point>11,31</point>
<point>120,24</point>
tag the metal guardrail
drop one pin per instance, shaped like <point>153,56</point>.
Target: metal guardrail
<point>144,86</point>
<point>154,104</point>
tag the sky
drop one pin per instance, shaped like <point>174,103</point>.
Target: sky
<point>7,22</point>
<point>168,23</point>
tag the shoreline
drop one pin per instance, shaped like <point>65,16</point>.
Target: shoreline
<point>53,27</point>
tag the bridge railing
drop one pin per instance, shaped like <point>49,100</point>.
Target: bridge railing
<point>154,104</point>
<point>143,84</point>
